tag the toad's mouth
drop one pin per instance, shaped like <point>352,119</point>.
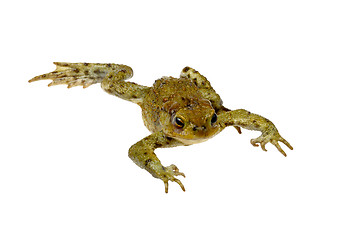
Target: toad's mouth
<point>192,141</point>
<point>190,136</point>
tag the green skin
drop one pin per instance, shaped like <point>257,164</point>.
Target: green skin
<point>178,111</point>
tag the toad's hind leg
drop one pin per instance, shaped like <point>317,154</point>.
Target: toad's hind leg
<point>111,76</point>
<point>204,87</point>
<point>206,90</point>
<point>114,83</point>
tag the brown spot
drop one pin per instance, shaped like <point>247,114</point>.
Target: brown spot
<point>188,76</point>
<point>134,96</point>
<point>147,162</point>
<point>230,123</point>
<point>111,85</point>
<point>76,70</point>
<point>186,69</point>
<point>86,72</point>
<point>157,145</point>
<point>109,65</point>
<point>86,64</point>
<point>123,71</point>
<point>96,71</point>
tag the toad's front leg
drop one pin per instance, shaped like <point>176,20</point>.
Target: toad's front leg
<point>251,121</point>
<point>142,153</point>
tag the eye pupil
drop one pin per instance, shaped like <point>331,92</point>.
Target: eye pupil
<point>214,118</point>
<point>179,122</point>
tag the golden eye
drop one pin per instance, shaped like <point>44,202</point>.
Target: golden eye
<point>178,122</point>
<point>214,118</point>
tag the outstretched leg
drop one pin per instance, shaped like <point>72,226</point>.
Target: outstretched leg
<point>248,120</point>
<point>114,84</point>
<point>142,153</point>
<point>111,76</point>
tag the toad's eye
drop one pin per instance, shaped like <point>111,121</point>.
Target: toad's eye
<point>214,118</point>
<point>178,122</point>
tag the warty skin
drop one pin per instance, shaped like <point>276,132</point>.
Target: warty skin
<point>177,111</point>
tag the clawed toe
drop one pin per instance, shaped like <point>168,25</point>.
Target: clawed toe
<point>263,140</point>
<point>176,170</point>
<point>254,142</point>
<point>180,184</point>
<point>173,180</point>
<point>170,176</point>
<point>274,142</point>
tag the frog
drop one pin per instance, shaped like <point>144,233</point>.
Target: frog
<point>178,111</point>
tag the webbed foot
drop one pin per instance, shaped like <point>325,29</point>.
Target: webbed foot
<point>75,74</point>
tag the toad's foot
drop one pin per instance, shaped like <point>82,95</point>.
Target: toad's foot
<point>272,137</point>
<point>169,175</point>
<point>251,121</point>
<point>142,153</point>
<point>81,74</point>
<point>71,74</point>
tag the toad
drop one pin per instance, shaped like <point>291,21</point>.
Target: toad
<point>177,111</point>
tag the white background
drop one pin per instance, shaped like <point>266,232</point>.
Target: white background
<point>64,166</point>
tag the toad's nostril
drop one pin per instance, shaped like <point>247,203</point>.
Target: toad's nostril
<point>202,128</point>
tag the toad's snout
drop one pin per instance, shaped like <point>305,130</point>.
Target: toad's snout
<point>199,128</point>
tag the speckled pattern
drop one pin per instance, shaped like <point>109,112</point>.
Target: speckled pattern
<point>177,111</point>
